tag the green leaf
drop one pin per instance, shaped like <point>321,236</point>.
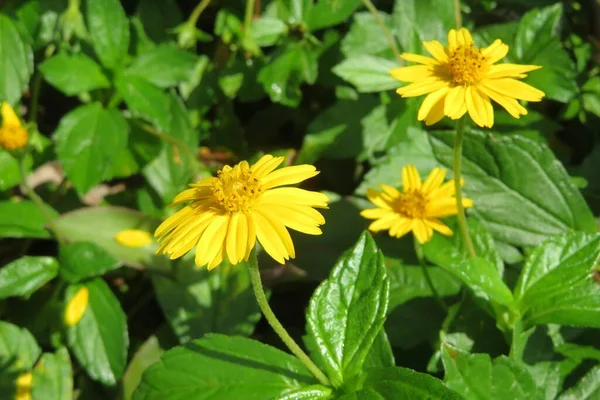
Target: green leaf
<point>99,340</point>
<point>73,74</point>
<point>347,311</point>
<point>476,377</point>
<point>380,354</point>
<point>408,282</point>
<point>148,353</point>
<point>326,13</point>
<point>313,392</point>
<point>23,220</point>
<point>365,35</point>
<point>99,225</point>
<point>82,260</point>
<point>164,66</point>
<point>588,387</point>
<point>16,62</point>
<point>53,377</point>
<point>547,378</point>
<point>557,283</point>
<point>422,20</point>
<point>18,348</point>
<point>231,368</point>
<point>537,43</point>
<point>402,383</point>
<point>87,140</point>
<point>145,100</point>
<point>11,174</point>
<point>368,73</point>
<point>197,302</point>
<point>267,31</point>
<point>591,95</point>
<point>406,327</point>
<point>24,276</point>
<point>109,31</point>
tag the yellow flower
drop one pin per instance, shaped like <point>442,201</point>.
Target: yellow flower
<point>133,238</point>
<point>229,212</point>
<point>462,77</point>
<point>23,384</point>
<point>417,208</point>
<point>77,306</point>
<point>12,134</point>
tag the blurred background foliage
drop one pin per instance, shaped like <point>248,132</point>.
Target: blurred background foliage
<point>128,102</point>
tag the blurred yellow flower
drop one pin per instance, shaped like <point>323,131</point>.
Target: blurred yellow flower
<point>133,238</point>
<point>23,384</point>
<point>462,77</point>
<point>243,203</point>
<point>77,306</point>
<point>417,208</point>
<point>12,134</point>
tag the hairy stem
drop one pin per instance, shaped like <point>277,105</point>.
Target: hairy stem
<point>462,219</point>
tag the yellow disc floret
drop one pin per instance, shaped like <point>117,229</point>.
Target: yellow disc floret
<point>467,65</point>
<point>236,189</point>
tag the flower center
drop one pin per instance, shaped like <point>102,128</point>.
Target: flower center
<point>411,204</point>
<point>467,65</point>
<point>236,189</point>
<point>12,138</point>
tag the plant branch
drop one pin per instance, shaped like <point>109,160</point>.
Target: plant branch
<point>386,32</point>
<point>462,219</point>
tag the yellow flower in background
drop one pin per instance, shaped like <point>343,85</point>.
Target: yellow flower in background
<point>133,238</point>
<point>462,78</point>
<point>23,385</point>
<point>417,208</point>
<point>77,306</point>
<point>228,213</point>
<point>12,134</point>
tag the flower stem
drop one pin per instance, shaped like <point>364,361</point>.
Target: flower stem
<point>35,96</point>
<point>462,219</point>
<point>263,303</point>
<point>457,14</point>
<point>197,11</point>
<point>249,12</point>
<point>384,28</point>
<point>421,257</point>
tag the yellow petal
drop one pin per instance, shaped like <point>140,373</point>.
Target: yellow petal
<point>413,73</point>
<point>454,101</point>
<point>422,87</point>
<point>375,197</point>
<point>383,223</point>
<point>231,240</point>
<point>288,176</point>
<point>77,306</point>
<point>266,165</point>
<point>436,49</point>
<point>295,218</point>
<point>422,232</point>
<point>434,180</point>
<point>513,88</point>
<point>291,195</point>
<point>439,226</point>
<point>269,239</point>
<point>171,222</point>
<point>374,213</point>
<point>9,117</point>
<point>419,59</point>
<point>452,40</point>
<point>410,178</point>
<point>185,196</point>
<point>212,240</point>
<point>509,70</point>
<point>511,105</point>
<point>430,101</point>
<point>133,238</point>
<point>495,52</point>
<point>436,113</point>
<point>251,235</point>
<point>475,106</point>
<point>390,190</point>
<point>400,227</point>
<point>23,383</point>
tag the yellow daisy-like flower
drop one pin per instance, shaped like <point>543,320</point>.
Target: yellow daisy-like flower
<point>12,134</point>
<point>24,383</point>
<point>133,238</point>
<point>228,213</point>
<point>462,77</point>
<point>417,208</point>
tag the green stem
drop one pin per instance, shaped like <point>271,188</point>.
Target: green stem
<point>175,142</point>
<point>457,14</point>
<point>421,257</point>
<point>35,96</point>
<point>197,11</point>
<point>462,219</point>
<point>249,12</point>
<point>263,303</point>
<point>36,199</point>
<point>384,28</point>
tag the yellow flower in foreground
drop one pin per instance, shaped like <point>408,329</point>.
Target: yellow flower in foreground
<point>23,384</point>
<point>12,134</point>
<point>133,238</point>
<point>77,306</point>
<point>462,77</point>
<point>417,208</point>
<point>243,203</point>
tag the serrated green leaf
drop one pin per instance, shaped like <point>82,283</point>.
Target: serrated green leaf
<point>347,311</point>
<point>87,140</point>
<point>365,35</point>
<point>557,283</point>
<point>313,392</point>
<point>18,348</point>
<point>164,66</point>
<point>53,377</point>
<point>326,13</point>
<point>16,62</point>
<point>100,340</point>
<point>82,260</point>
<point>109,31</point>
<point>23,220</point>
<point>588,387</point>
<point>73,74</point>
<point>368,73</point>
<point>197,302</point>
<point>547,378</point>
<point>24,276</point>
<point>231,368</point>
<point>267,31</point>
<point>422,20</point>
<point>145,100</point>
